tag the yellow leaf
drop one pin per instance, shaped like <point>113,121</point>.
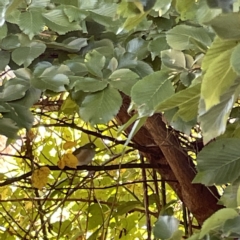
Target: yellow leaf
<point>69,144</point>
<point>67,134</point>
<point>40,177</point>
<point>6,192</point>
<point>69,160</point>
<point>61,164</point>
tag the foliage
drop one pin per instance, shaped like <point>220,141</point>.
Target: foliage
<point>66,66</point>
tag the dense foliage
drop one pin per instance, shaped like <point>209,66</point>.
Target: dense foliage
<point>73,71</point>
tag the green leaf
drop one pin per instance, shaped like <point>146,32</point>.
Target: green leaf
<point>52,78</point>
<point>100,107</point>
<point>58,21</point>
<point>186,100</point>
<point>173,119</point>
<point>184,7</point>
<point>165,227</point>
<point>25,55</point>
<point>217,79</point>
<point>123,80</point>
<point>8,128</point>
<point>32,95</point>
<point>87,84</point>
<point>125,207</point>
<point>217,48</point>
<point>142,69</point>
<point>95,63</point>
<point>232,226</point>
<point>235,62</point>
<point>4,59</point>
<point>77,67</point>
<point>96,217</point>
<point>127,60</point>
<point>173,59</point>
<point>14,89</point>
<point>157,45</point>
<point>216,220</point>
<point>132,22</point>
<point>219,162</point>
<point>213,121</point>
<point>181,36</point>
<point>138,47</point>
<point>71,44</point>
<point>39,4</point>
<point>3,31</point>
<point>31,23</point>
<point>75,14</point>
<point>69,106</point>
<point>186,78</point>
<point>10,42</point>
<point>151,91</point>
<point>20,115</point>
<point>229,197</point>
<point>227,26</point>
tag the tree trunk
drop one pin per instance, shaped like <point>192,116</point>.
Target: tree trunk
<point>178,170</point>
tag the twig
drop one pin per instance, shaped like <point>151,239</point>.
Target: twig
<point>146,200</point>
<point>89,168</point>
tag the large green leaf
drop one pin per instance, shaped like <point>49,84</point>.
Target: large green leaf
<point>235,61</point>
<point>100,107</point>
<point>8,128</point>
<point>20,115</point>
<point>4,59</point>
<point>72,44</point>
<point>218,78</point>
<point>58,21</point>
<point>31,23</point>
<point>3,31</point>
<point>213,121</point>
<point>87,84</point>
<point>216,220</point>
<point>187,102</point>
<point>138,47</point>
<point>148,93</point>
<point>229,197</point>
<point>173,59</point>
<point>132,22</point>
<point>217,48</point>
<point>50,77</point>
<point>32,95</point>
<point>232,226</point>
<point>25,55</point>
<point>172,118</point>
<point>219,162</point>
<point>157,45</point>
<point>184,8</point>
<point>10,42</point>
<point>227,26</point>
<point>14,89</point>
<point>74,13</point>
<point>123,80</point>
<point>184,37</point>
<point>95,63</point>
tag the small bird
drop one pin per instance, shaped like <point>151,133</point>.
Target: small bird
<point>85,154</point>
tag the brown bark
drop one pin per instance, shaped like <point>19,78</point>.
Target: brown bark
<point>167,151</point>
